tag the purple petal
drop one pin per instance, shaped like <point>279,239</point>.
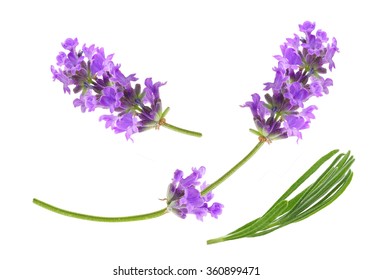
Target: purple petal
<point>216,209</point>
<point>307,27</point>
<point>109,120</point>
<point>70,44</point>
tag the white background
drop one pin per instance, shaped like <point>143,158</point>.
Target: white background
<point>214,55</point>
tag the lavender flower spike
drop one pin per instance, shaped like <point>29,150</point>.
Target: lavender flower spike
<point>183,198</point>
<point>101,84</point>
<point>298,78</point>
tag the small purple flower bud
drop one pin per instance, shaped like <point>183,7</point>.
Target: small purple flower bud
<point>61,58</point>
<point>322,36</point>
<point>216,209</point>
<point>70,44</point>
<point>307,27</point>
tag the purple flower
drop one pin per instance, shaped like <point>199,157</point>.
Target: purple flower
<point>216,209</point>
<point>110,120</point>
<point>293,43</point>
<point>307,113</point>
<point>313,45</point>
<point>102,84</point>
<point>290,59</point>
<point>86,101</point>
<point>118,77</point>
<point>257,107</point>
<point>60,75</point>
<point>152,90</point>
<point>279,81</point>
<point>126,123</point>
<point>331,50</point>
<point>316,87</point>
<point>267,126</point>
<point>298,78</point>
<point>71,62</point>
<point>183,197</point>
<point>61,58</point>
<point>296,94</point>
<point>89,52</point>
<point>110,98</point>
<point>100,64</point>
<point>322,36</point>
<point>294,125</point>
<point>307,27</point>
<point>70,44</point>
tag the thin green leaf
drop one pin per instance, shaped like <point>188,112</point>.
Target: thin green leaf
<point>306,175</point>
<point>321,193</point>
<point>318,191</point>
<point>299,207</point>
<point>262,222</point>
<point>327,200</point>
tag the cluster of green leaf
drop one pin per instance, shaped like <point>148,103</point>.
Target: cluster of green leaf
<point>322,192</point>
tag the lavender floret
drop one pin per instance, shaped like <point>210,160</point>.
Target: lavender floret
<point>184,198</point>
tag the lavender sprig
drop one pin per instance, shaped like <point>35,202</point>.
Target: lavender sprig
<point>101,84</point>
<point>183,198</point>
<point>298,78</point>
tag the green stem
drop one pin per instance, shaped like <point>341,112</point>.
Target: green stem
<point>153,214</point>
<point>181,130</point>
<point>233,169</point>
<point>215,240</point>
<point>98,218</point>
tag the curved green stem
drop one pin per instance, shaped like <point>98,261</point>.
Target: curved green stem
<point>98,218</point>
<point>162,122</point>
<point>181,130</point>
<point>233,169</point>
<point>152,214</point>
